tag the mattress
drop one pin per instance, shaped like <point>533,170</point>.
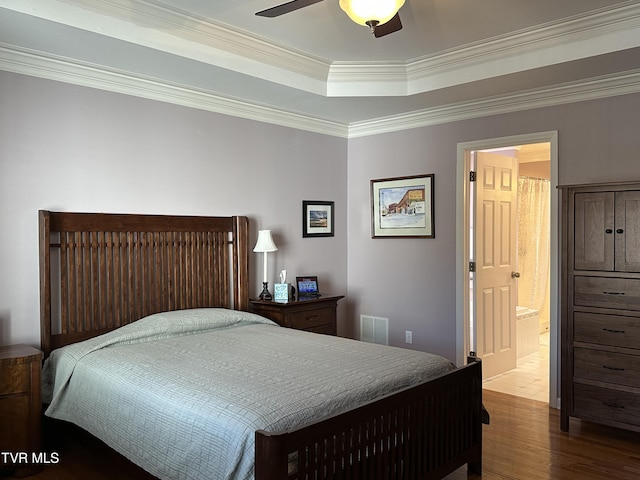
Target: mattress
<point>182,393</point>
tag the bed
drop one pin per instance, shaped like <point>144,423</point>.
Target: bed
<point>115,287</point>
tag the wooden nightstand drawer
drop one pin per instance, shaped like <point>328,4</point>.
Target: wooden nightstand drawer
<point>15,379</point>
<point>308,319</point>
<point>607,367</point>
<point>316,315</point>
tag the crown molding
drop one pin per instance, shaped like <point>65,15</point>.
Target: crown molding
<point>63,70</point>
<point>580,91</point>
<point>172,31</point>
<point>595,33</point>
<point>86,75</point>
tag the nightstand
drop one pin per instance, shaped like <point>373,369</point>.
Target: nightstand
<point>20,407</point>
<point>313,315</point>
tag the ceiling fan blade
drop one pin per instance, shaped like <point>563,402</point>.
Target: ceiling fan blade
<point>286,8</point>
<point>391,26</point>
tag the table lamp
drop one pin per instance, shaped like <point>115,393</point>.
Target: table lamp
<point>265,244</point>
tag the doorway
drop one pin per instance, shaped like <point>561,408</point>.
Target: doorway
<point>521,366</point>
<point>502,335</point>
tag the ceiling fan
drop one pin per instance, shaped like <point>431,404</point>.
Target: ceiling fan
<point>381,22</point>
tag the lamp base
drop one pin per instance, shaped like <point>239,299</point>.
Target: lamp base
<point>265,295</point>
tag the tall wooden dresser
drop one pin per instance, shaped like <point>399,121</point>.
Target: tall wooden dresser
<point>600,349</point>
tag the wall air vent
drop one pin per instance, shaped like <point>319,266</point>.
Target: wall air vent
<point>374,329</point>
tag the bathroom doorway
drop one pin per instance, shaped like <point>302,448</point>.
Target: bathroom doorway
<point>530,377</point>
<point>531,329</point>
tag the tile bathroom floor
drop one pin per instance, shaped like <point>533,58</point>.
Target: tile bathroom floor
<point>530,379</point>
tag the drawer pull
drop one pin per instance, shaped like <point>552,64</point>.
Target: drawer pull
<point>608,230</point>
<point>619,230</point>
<point>613,405</point>
<point>617,369</point>
<point>613,293</point>
<point>610,330</point>
<point>312,318</point>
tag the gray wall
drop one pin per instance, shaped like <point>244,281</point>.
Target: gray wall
<point>71,148</point>
<point>412,281</point>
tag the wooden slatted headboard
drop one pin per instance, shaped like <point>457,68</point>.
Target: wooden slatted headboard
<point>101,271</point>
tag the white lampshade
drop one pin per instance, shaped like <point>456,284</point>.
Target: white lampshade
<point>368,12</point>
<point>265,242</point>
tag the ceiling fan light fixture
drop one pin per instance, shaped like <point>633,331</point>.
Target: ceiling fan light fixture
<point>371,12</point>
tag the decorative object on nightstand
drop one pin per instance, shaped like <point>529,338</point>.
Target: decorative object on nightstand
<point>282,291</point>
<point>264,245</point>
<point>20,406</point>
<point>313,314</point>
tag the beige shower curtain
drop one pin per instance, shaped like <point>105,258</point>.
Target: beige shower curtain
<point>533,245</point>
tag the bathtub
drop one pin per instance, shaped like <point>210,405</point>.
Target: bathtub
<point>527,331</point>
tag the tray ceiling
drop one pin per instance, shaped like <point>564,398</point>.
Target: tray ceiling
<point>315,69</point>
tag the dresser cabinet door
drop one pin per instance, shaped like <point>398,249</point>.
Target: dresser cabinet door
<point>594,227</point>
<point>607,231</point>
<point>627,232</point>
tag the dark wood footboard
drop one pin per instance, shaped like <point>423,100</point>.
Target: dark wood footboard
<point>422,432</point>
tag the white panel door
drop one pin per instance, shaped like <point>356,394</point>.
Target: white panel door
<point>496,256</point>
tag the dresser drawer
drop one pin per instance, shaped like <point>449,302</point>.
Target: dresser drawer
<point>607,367</point>
<point>312,319</point>
<point>605,292</point>
<point>606,404</point>
<point>15,379</point>
<point>614,330</point>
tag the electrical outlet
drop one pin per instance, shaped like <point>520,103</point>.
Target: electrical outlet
<point>408,336</point>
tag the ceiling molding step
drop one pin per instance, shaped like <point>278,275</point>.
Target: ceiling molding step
<point>363,79</point>
<point>582,36</point>
<point>62,70</point>
<point>172,31</point>
<point>596,33</point>
<point>591,89</point>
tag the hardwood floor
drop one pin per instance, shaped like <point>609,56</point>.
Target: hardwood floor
<point>523,441</point>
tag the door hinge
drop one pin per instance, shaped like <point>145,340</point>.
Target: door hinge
<point>472,176</point>
<point>472,266</point>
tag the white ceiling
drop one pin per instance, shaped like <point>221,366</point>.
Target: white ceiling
<point>317,70</point>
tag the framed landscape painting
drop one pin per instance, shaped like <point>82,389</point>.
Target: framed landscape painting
<point>317,219</point>
<point>402,207</point>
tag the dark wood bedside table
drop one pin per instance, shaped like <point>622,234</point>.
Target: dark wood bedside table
<point>20,407</point>
<point>313,315</point>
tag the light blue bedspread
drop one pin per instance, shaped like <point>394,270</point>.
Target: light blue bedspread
<point>182,393</point>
